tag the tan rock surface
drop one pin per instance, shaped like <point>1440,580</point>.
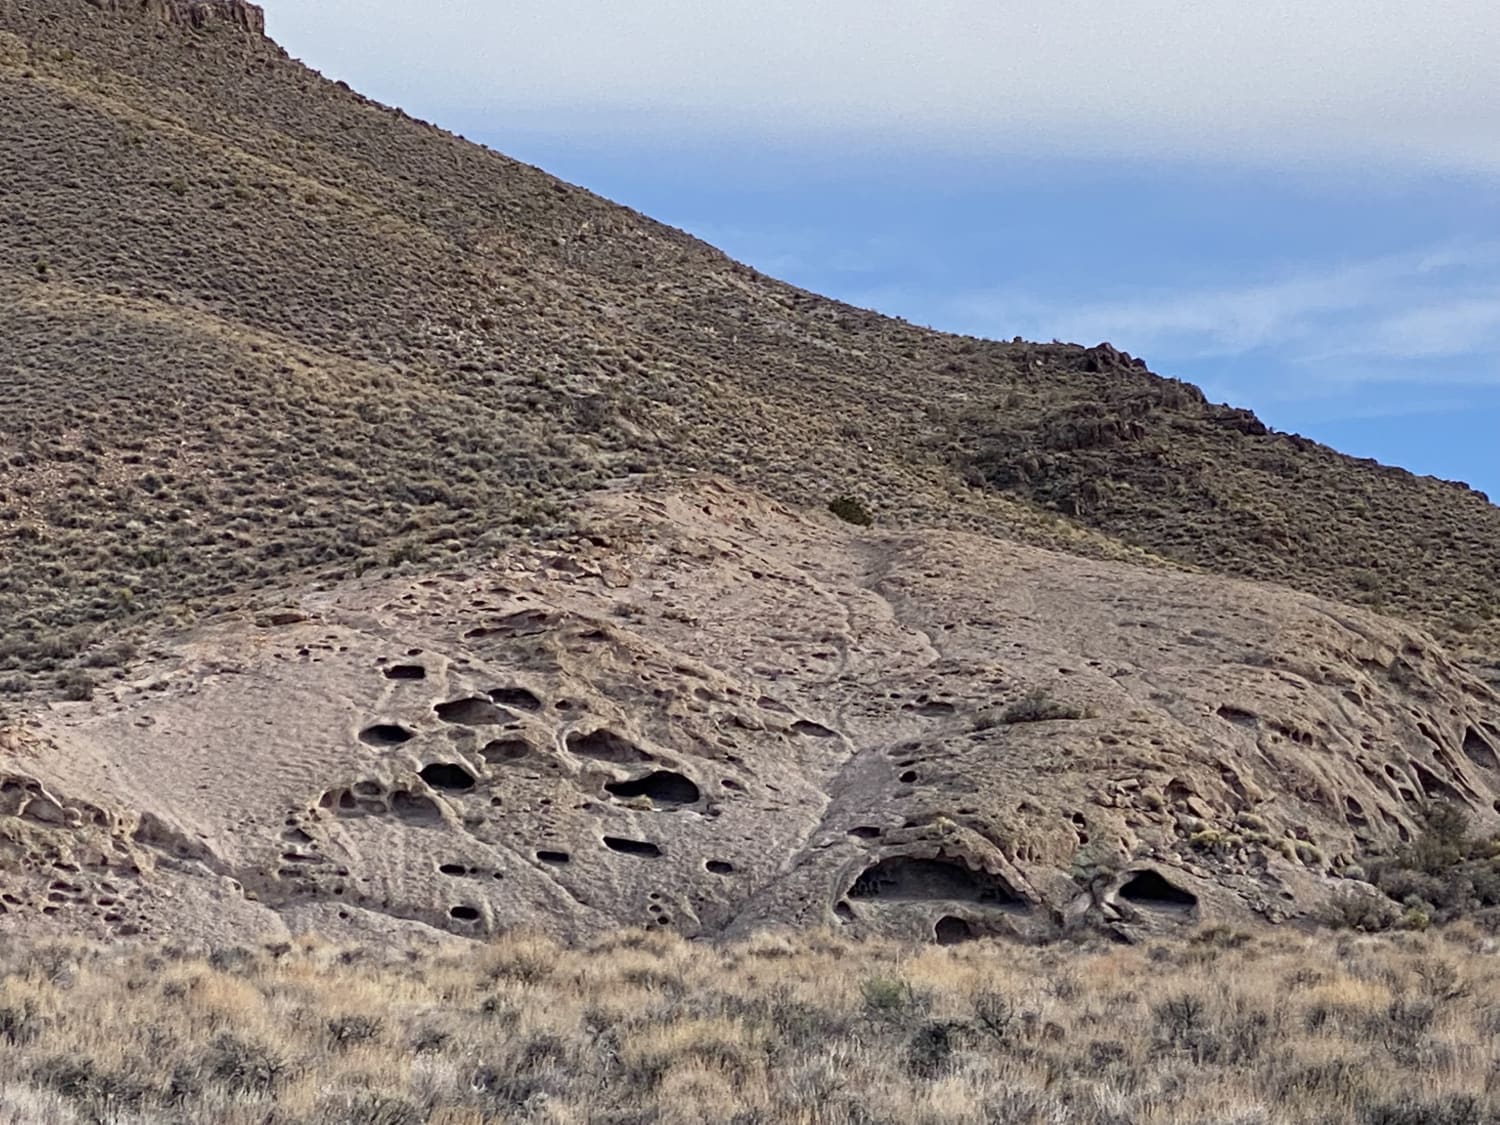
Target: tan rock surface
<point>714,714</point>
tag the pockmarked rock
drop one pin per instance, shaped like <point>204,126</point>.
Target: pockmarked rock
<point>778,720</point>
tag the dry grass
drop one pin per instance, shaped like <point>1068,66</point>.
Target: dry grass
<point>649,1028</point>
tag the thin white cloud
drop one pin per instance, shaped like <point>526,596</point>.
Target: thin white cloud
<point>1360,323</point>
<point>1280,81</point>
<point>1461,327</point>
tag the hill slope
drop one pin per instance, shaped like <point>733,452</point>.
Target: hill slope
<point>255,326</point>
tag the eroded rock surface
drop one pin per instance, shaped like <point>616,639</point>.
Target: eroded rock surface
<point>715,714</point>
<point>196,14</point>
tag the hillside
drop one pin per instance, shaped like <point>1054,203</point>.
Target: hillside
<point>714,714</point>
<point>447,672</point>
<point>258,327</point>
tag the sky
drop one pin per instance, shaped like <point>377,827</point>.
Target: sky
<point>1295,205</point>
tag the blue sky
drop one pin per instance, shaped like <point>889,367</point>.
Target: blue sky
<point>1293,205</point>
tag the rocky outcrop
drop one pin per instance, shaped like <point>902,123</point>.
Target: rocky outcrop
<point>197,14</point>
<point>714,715</point>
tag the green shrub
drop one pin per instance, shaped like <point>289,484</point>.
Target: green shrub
<point>1444,842</point>
<point>1350,910</point>
<point>850,510</point>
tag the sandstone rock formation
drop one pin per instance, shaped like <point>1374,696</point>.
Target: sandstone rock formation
<point>263,334</point>
<point>196,14</point>
<point>715,714</point>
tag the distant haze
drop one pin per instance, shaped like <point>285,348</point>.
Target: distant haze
<point>1393,80</point>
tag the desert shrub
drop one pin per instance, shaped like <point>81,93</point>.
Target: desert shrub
<point>797,1025</point>
<point>1443,842</point>
<point>893,999</point>
<point>851,510</point>
<point>241,1066</point>
<point>348,1031</point>
<point>1403,1028</point>
<point>1444,873</point>
<point>111,656</point>
<point>1181,1025</point>
<point>1352,910</point>
<point>104,1094</point>
<point>75,685</point>
<point>931,1049</point>
<point>1441,982</point>
<point>1039,707</point>
<point>1454,1109</point>
<point>996,1015</point>
<point>369,1109</point>
<point>19,1023</point>
<point>1338,1080</point>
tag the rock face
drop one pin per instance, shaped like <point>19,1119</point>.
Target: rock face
<point>196,14</point>
<point>715,714</point>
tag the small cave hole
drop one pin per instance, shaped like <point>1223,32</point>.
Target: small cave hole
<point>505,750</point>
<point>557,859</point>
<point>1150,889</point>
<point>464,913</point>
<point>952,931</point>
<point>1479,750</point>
<point>1237,716</point>
<point>661,788</point>
<point>907,879</point>
<point>844,912</point>
<point>606,746</point>
<point>1434,787</point>
<point>385,734</point>
<point>472,712</point>
<point>866,832</point>
<point>811,729</point>
<point>720,867</point>
<point>908,777</point>
<point>517,697</point>
<point>414,807</point>
<point>452,869</point>
<point>448,776</point>
<point>631,847</point>
<point>406,672</point>
<point>935,709</point>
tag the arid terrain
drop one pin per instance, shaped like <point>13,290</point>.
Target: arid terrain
<point>646,1027</point>
<point>712,714</point>
<point>469,652</point>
